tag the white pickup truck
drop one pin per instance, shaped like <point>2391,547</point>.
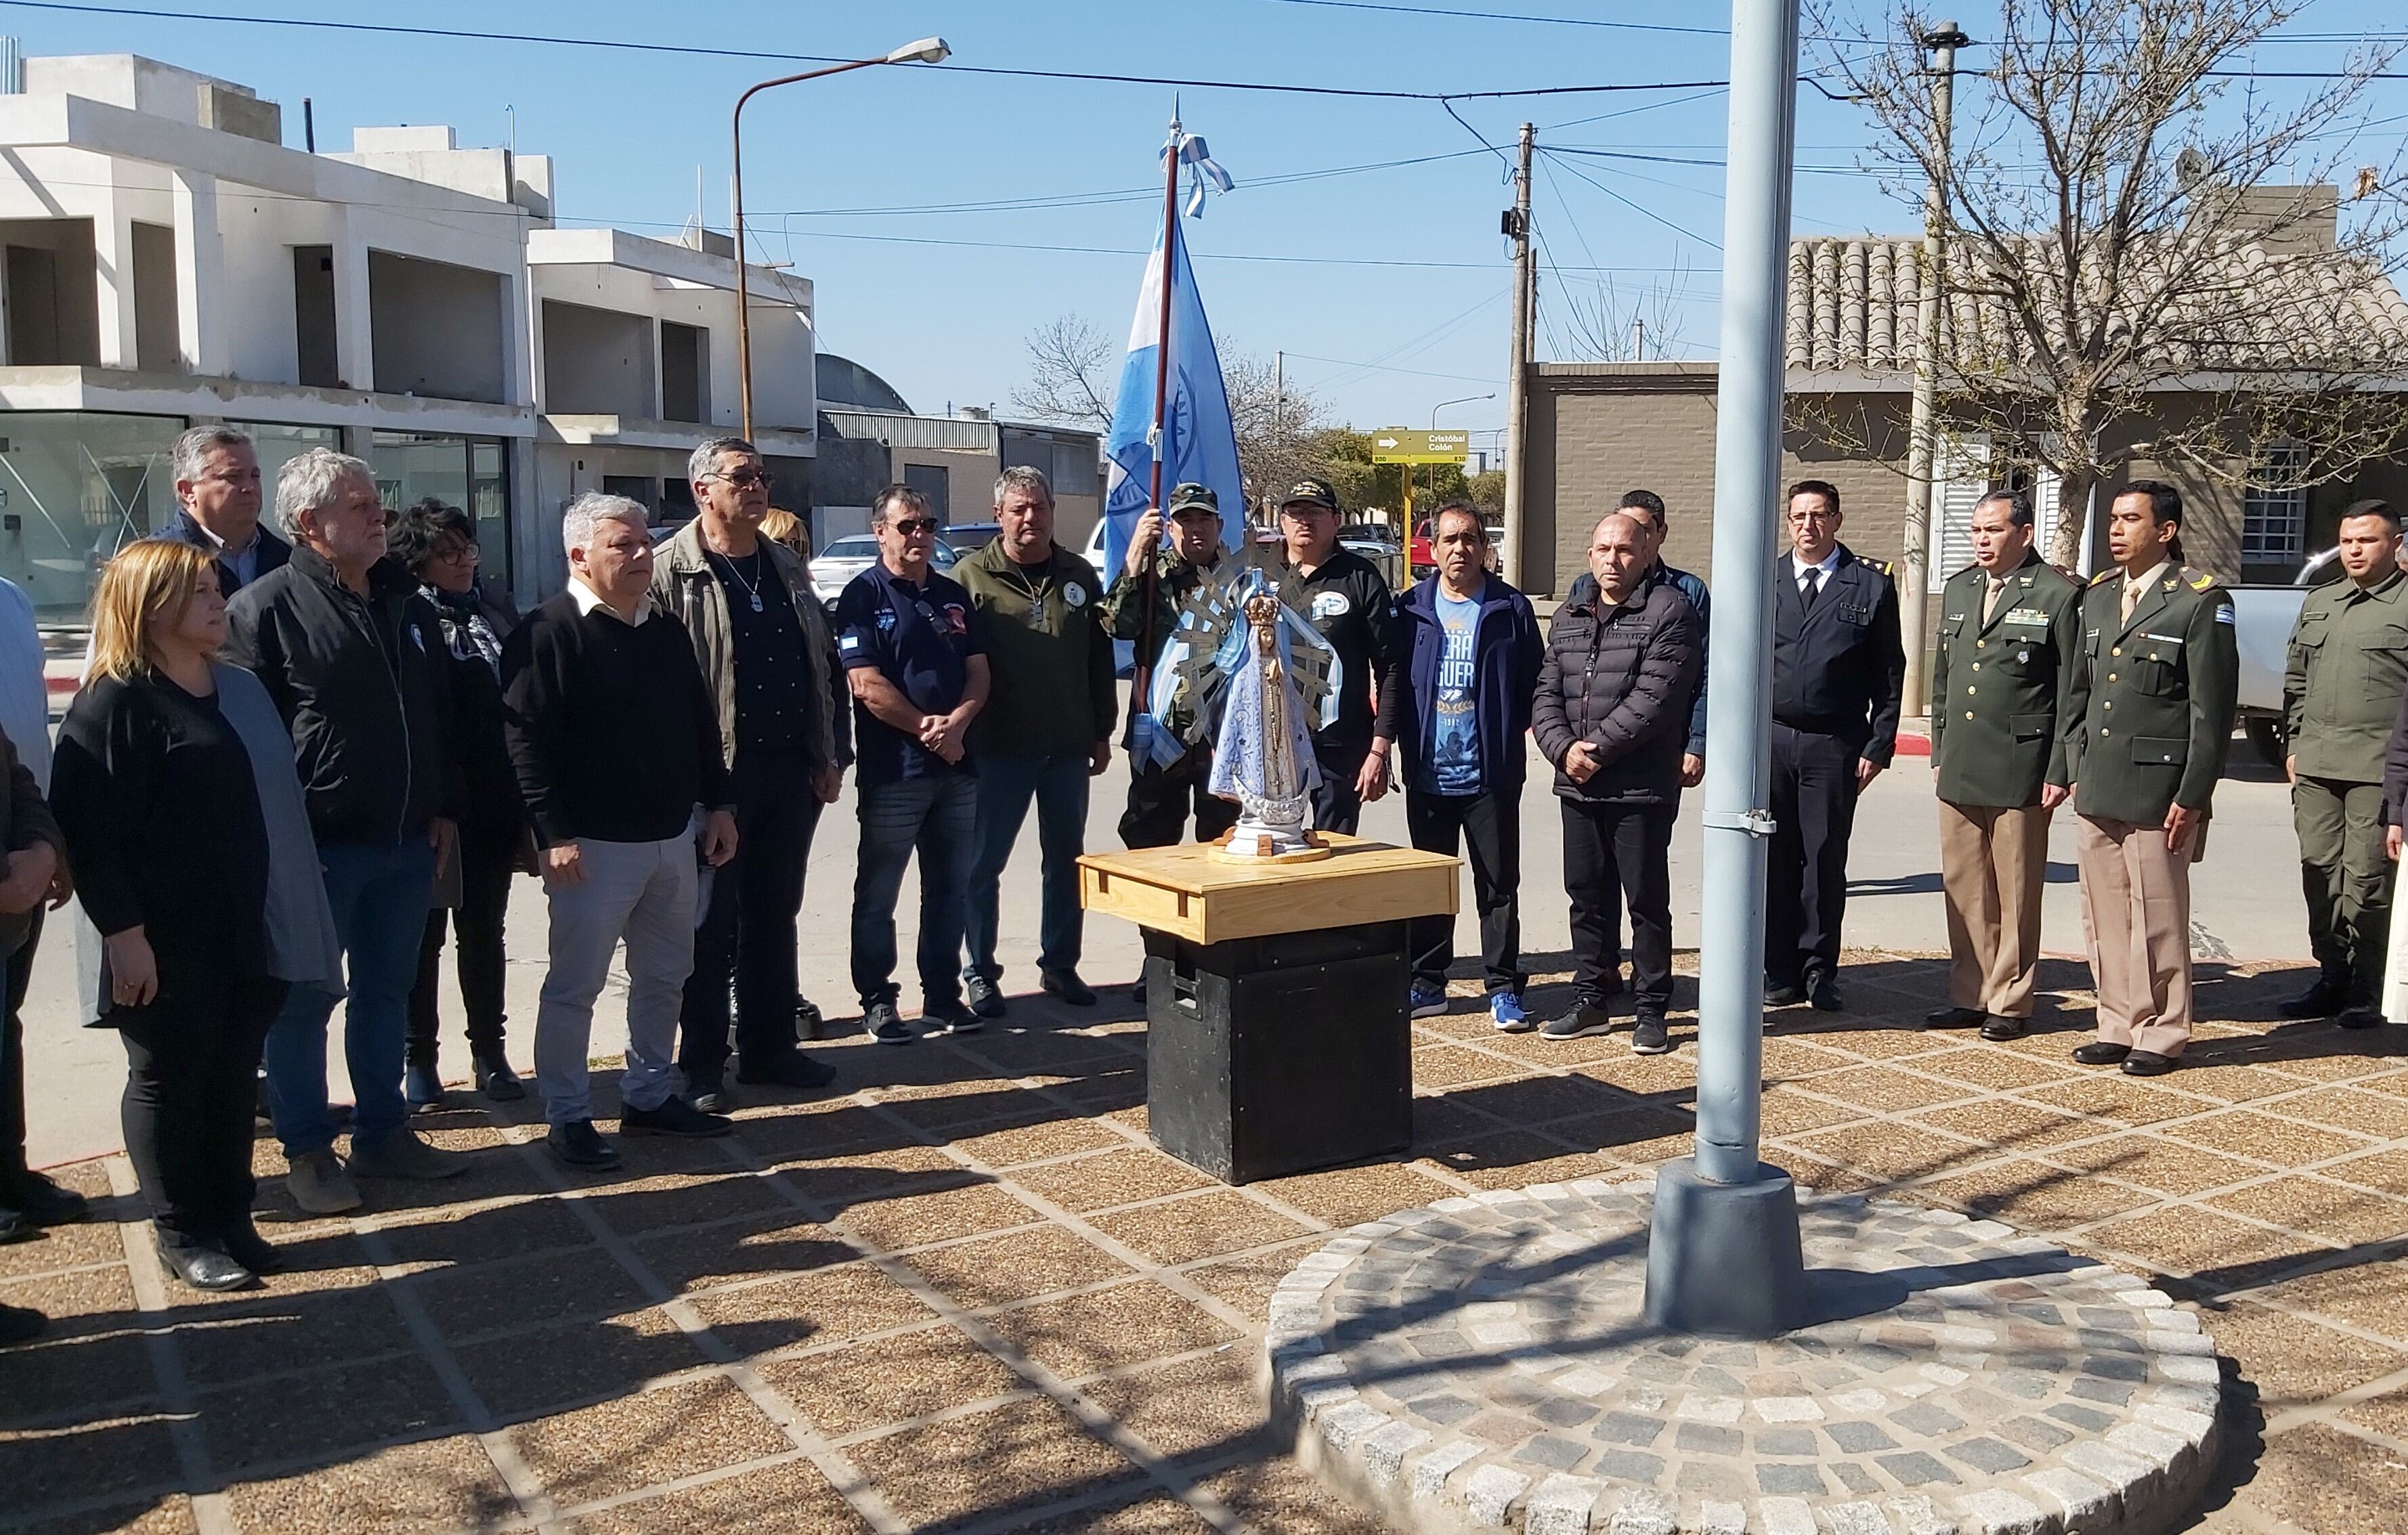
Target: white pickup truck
<point>2263,617</point>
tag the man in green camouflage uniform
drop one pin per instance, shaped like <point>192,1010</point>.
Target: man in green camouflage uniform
<point>1160,799</point>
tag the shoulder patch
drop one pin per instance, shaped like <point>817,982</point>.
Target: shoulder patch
<point>1882,565</point>
<point>2105,576</point>
<point>2202,580</point>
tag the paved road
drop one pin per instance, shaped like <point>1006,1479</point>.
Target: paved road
<point>2246,906</point>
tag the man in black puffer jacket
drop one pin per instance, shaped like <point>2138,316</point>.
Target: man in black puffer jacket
<point>354,658</point>
<point>1611,714</point>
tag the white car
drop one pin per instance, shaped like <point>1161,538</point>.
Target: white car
<point>848,556</point>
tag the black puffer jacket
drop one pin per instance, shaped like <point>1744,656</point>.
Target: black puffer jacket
<point>1619,678</point>
<point>363,683</point>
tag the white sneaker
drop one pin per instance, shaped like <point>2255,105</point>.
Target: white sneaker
<point>318,1185</point>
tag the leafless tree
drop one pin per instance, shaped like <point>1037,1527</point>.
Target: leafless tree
<point>2145,259</point>
<point>1610,324</point>
<point>1071,375</point>
<point>1278,424</point>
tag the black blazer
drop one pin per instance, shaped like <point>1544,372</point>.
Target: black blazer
<point>1839,670</point>
<point>273,550</point>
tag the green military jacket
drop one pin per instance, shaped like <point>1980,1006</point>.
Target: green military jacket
<point>2347,668</point>
<point>1999,687</point>
<point>2150,713</point>
<point>1176,580</point>
<point>1052,692</point>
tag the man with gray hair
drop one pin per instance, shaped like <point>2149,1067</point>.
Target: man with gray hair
<point>765,649</point>
<point>353,657</point>
<point>218,501</point>
<point>1046,730</point>
<point>615,736</point>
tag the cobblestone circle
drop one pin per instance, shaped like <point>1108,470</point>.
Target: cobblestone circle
<point>1486,1363</point>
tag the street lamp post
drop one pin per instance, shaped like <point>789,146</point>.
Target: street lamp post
<point>926,50</point>
<point>1466,400</point>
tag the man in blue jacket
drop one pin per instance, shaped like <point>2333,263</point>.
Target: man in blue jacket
<point>1467,652</point>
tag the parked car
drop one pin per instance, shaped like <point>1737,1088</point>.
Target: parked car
<point>1419,562</point>
<point>968,537</point>
<point>1124,651</point>
<point>848,556</point>
<point>2262,620</point>
<point>1375,544</point>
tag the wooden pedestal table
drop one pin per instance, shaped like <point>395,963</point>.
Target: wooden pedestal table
<point>1278,1030</point>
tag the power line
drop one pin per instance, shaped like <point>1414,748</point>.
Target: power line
<point>1640,208</point>
<point>1509,15</point>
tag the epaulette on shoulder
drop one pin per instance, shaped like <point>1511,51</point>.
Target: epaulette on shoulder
<point>2107,574</point>
<point>2199,581</point>
<point>1882,565</point>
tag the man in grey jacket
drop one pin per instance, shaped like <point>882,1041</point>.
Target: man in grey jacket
<point>1611,714</point>
<point>783,727</point>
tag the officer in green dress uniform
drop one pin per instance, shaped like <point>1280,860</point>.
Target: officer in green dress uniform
<point>2347,668</point>
<point>2010,631</point>
<point>2149,718</point>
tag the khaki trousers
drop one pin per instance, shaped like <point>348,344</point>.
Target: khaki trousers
<point>2136,919</point>
<point>1992,862</point>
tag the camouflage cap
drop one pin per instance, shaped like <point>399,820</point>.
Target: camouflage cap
<point>1189,494</point>
<point>1310,493</point>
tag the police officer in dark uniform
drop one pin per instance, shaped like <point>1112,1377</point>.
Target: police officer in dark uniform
<point>1838,673</point>
<point>2010,631</point>
<point>2149,720</point>
<point>1347,601</point>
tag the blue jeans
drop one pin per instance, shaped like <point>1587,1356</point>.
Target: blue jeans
<point>381,896</point>
<point>936,817</point>
<point>1006,785</point>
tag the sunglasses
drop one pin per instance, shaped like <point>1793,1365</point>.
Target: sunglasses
<point>911,528</point>
<point>742,479</point>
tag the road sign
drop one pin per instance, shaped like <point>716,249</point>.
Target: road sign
<point>1403,445</point>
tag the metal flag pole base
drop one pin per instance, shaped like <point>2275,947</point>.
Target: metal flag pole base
<point>1724,1259</point>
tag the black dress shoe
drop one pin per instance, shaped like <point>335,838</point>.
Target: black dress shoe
<point>1782,993</point>
<point>14,1227</point>
<point>791,1069</point>
<point>20,1323</point>
<point>2321,1001</point>
<point>1067,985</point>
<point>577,1144</point>
<point>2359,1017</point>
<point>1955,1018</point>
<point>1999,1029</point>
<point>675,1116</point>
<point>497,1081</point>
<point>2147,1063</point>
<point>246,1246</point>
<point>205,1267</point>
<point>1823,993</point>
<point>42,1201</point>
<point>2100,1052</point>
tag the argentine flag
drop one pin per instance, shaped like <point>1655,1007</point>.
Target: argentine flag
<point>1198,442</point>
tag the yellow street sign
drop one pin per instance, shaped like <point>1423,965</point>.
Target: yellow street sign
<point>1407,445</point>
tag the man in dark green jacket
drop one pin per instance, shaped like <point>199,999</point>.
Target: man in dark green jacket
<point>2347,668</point>
<point>2010,628</point>
<point>1047,729</point>
<point>2147,725</point>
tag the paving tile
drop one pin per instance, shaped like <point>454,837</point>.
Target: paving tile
<point>491,1298</point>
<point>870,1385</point>
<point>1502,1154</point>
<point>77,1246</point>
<point>1106,1329</point>
<point>741,1251</point>
<point>2335,1211</point>
<point>291,1332</point>
<point>519,1375</point>
<point>2366,1295</point>
<point>1351,1196</point>
<point>487,1234</point>
<point>2188,1239</point>
<point>680,1200</point>
<point>839,1179</point>
<point>2382,1114</point>
<point>2317,1478</point>
<point>1884,1150</point>
<point>2007,1124</point>
<point>1788,1111</point>
<point>845,1300</point>
<point>1019,1266</point>
<point>1877,1043</point>
<point>2292,1360</point>
<point>1029,1142</point>
<point>87,1459</point>
<point>2115,1096</point>
<point>785,1498</point>
<point>2282,1142</point>
<point>2031,1194</point>
<point>326,1411</point>
<point>1632,1134</point>
<point>1155,1515</point>
<point>784,1132</point>
<point>105,1295</point>
<point>1275,1493</point>
<point>1446,1065</point>
<point>2385,1415</point>
<point>1531,1101</point>
<point>168,1514</point>
<point>619,1446</point>
<point>2234,1084</point>
<point>1440,1118</point>
<point>2148,1160</point>
<point>1245,1284</point>
<point>1205,1408</point>
<point>1988,1068</point>
<point>1642,1076</point>
<point>1022,1456</point>
<point>1206,1226</point>
<point>1124,1175</point>
<point>910,1220</point>
<point>409,1489</point>
<point>2385,1170</point>
<point>1880,1088</point>
<point>78,1369</point>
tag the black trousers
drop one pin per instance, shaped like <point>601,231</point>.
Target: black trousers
<point>486,865</point>
<point>1814,811</point>
<point>1336,806</point>
<point>191,1059</point>
<point>744,949</point>
<point>1160,800</point>
<point>1614,853</point>
<point>1491,824</point>
<point>12,1057</point>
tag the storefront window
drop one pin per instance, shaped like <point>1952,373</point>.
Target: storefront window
<point>470,473</point>
<point>74,487</point>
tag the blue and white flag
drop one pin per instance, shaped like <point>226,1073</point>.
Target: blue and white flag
<point>1199,441</point>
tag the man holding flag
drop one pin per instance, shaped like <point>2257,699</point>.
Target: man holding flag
<point>1162,794</point>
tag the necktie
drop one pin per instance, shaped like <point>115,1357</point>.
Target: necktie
<point>1806,592</point>
<point>2131,597</point>
<point>1990,601</point>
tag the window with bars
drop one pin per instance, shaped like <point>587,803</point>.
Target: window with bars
<point>2274,511</point>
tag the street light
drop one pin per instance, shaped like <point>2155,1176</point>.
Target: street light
<point>1466,400</point>
<point>926,50</point>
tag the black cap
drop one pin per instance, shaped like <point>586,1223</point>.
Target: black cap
<point>1312,492</point>
<point>1189,494</point>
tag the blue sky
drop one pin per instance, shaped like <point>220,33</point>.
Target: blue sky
<point>946,322</point>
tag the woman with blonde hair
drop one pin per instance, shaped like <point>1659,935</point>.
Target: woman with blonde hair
<point>174,784</point>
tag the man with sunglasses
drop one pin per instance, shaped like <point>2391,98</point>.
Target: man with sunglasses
<point>914,654</point>
<point>1839,675</point>
<point>764,649</point>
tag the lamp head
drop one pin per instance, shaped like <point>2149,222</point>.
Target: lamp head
<point>926,50</point>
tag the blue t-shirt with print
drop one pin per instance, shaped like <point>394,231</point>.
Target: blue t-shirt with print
<point>1455,739</point>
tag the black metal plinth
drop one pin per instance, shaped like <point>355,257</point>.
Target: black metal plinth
<point>1279,1055</point>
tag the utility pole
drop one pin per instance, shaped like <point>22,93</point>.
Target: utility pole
<point>1517,229</point>
<point>1915,553</point>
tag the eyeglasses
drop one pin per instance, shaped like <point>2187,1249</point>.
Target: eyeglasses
<point>911,528</point>
<point>455,553</point>
<point>743,477</point>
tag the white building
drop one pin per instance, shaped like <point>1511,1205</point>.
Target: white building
<point>168,262</point>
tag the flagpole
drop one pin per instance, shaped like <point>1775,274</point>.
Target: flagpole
<point>1150,577</point>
